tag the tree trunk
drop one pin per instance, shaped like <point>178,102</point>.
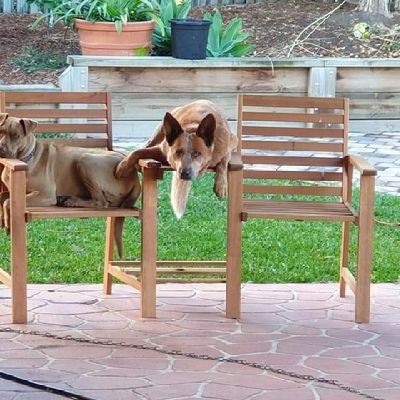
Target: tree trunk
<point>375,6</point>
<point>396,5</point>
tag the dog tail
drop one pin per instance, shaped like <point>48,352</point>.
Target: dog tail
<point>180,190</point>
<point>128,202</point>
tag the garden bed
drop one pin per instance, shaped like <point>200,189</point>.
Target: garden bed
<point>275,26</point>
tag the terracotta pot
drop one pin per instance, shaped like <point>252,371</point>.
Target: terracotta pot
<point>102,39</point>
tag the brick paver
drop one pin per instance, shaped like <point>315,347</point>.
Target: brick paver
<point>302,328</point>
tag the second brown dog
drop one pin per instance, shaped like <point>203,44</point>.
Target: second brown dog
<point>63,175</point>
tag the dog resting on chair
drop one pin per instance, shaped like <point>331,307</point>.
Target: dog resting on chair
<point>63,175</point>
<point>191,139</point>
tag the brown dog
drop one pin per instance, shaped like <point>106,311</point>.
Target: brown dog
<point>63,175</point>
<point>191,139</point>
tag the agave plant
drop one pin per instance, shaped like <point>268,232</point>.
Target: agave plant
<point>169,9</point>
<point>229,41</point>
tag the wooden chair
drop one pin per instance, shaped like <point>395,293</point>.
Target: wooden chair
<point>278,134</point>
<point>86,119</point>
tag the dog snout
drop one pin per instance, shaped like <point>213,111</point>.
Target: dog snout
<point>186,174</point>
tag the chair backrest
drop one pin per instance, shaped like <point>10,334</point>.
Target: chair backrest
<point>73,118</point>
<point>299,141</point>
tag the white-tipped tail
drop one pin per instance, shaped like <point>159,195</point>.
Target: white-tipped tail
<point>180,190</point>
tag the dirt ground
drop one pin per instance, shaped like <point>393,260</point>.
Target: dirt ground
<point>280,28</point>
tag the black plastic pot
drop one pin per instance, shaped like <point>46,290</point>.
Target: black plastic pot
<point>189,38</point>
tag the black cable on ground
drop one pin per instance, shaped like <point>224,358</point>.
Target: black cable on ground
<point>44,388</point>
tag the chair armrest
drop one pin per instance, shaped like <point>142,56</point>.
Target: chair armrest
<point>149,163</point>
<point>14,165</point>
<point>235,163</point>
<point>362,165</point>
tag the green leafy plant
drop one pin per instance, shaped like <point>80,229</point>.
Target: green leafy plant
<point>33,59</point>
<point>117,11</point>
<point>169,9</point>
<point>229,41</point>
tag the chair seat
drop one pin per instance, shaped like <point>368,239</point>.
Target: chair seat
<point>68,212</point>
<point>298,210</point>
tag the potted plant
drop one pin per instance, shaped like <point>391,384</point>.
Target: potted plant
<point>107,27</point>
<point>162,35</point>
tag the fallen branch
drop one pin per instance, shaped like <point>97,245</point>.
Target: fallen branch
<point>385,223</point>
<point>318,22</point>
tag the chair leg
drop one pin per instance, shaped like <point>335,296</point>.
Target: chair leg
<point>149,243</point>
<point>108,255</point>
<point>344,257</point>
<point>364,256</point>
<point>234,245</point>
<point>18,249</point>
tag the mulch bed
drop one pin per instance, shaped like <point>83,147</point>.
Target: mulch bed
<point>280,28</point>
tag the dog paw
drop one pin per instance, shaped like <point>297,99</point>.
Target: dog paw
<point>64,201</point>
<point>220,189</point>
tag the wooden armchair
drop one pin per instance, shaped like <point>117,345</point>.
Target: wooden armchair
<point>86,119</point>
<point>296,166</point>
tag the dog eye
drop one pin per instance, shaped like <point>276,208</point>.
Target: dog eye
<point>179,153</point>
<point>195,154</point>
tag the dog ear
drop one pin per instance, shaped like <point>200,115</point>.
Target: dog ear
<point>206,129</point>
<point>29,125</point>
<point>172,128</point>
<point>3,118</point>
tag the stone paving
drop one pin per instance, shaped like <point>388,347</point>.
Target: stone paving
<point>382,150</point>
<point>302,328</point>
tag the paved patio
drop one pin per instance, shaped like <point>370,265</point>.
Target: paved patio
<point>305,329</point>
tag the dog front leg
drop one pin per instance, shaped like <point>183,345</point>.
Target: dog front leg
<point>3,197</point>
<point>220,182</point>
<point>33,199</point>
<point>130,163</point>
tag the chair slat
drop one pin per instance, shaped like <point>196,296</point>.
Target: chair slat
<point>294,190</point>
<point>65,212</point>
<point>101,143</point>
<point>294,175</point>
<point>298,210</point>
<point>296,204</point>
<point>71,128</point>
<point>294,132</point>
<point>57,113</point>
<point>293,117</point>
<point>292,146</point>
<point>298,161</point>
<point>57,97</point>
<point>293,101</point>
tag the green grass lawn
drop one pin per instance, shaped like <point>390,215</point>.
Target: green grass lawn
<point>273,251</point>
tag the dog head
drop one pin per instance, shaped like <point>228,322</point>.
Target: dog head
<point>15,135</point>
<point>190,149</point>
